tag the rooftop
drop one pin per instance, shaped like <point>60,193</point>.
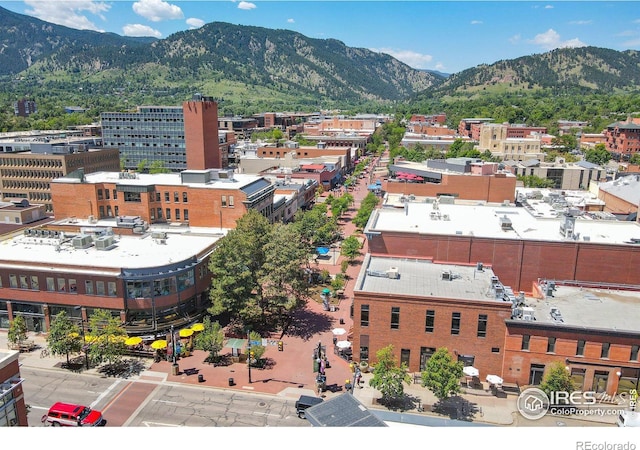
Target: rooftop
<point>130,252</point>
<point>589,309</point>
<point>424,278</point>
<point>538,221</point>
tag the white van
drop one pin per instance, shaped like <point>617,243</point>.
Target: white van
<point>629,419</point>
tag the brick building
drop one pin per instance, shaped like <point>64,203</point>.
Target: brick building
<point>24,108</point>
<point>621,196</point>
<point>13,409</point>
<point>622,139</point>
<point>463,178</point>
<point>199,198</point>
<point>471,127</point>
<point>521,244</point>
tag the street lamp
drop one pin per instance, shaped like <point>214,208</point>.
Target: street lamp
<point>84,344</point>
<point>249,353</point>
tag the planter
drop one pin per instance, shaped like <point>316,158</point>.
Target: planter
<point>364,366</point>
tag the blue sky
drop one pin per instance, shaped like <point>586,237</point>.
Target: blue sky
<point>448,36</point>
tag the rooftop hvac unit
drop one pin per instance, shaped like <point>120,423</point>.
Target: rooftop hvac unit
<point>393,273</point>
<point>104,242</point>
<point>92,219</point>
<point>82,241</point>
<point>505,223</point>
<point>159,235</point>
<point>527,313</point>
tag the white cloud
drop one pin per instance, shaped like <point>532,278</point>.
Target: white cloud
<point>157,10</point>
<point>550,40</point>
<point>581,22</point>
<point>440,67</point>
<point>515,38</point>
<point>476,22</point>
<point>291,21</point>
<point>409,57</point>
<point>195,23</point>
<point>67,13</point>
<point>246,5</point>
<point>136,29</point>
<point>634,43</point>
<point>548,7</point>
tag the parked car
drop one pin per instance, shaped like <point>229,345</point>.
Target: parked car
<point>71,415</point>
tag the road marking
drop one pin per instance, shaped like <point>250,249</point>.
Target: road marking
<point>104,394</point>
<point>165,401</point>
<point>117,396</point>
<point>159,424</point>
<point>250,388</point>
<point>38,407</point>
<point>266,414</point>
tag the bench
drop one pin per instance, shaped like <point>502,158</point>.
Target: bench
<point>23,346</point>
<point>511,388</point>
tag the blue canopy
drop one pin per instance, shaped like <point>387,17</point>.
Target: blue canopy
<point>373,187</point>
<point>322,250</point>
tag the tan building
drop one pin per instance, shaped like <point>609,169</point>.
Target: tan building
<point>20,212</point>
<point>494,137</point>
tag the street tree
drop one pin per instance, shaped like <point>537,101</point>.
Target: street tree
<point>388,377</point>
<point>210,339</point>
<point>64,336</point>
<point>350,248</point>
<point>256,350</point>
<point>17,330</point>
<point>442,374</point>
<point>598,155</point>
<point>557,379</point>
<point>367,206</point>
<point>259,272</point>
<point>316,228</point>
<point>106,337</point>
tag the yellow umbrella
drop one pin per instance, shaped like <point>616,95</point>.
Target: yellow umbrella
<point>160,343</point>
<point>186,332</point>
<point>133,340</point>
<point>74,334</point>
<point>197,327</point>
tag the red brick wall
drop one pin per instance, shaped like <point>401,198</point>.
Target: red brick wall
<point>201,135</point>
<point>520,263</point>
<point>494,189</point>
<point>10,371</point>
<point>517,362</point>
<point>616,205</point>
<point>411,332</point>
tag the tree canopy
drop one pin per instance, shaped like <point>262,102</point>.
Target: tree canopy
<point>442,374</point>
<point>388,376</point>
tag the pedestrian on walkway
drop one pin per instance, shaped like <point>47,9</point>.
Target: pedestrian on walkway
<point>348,387</point>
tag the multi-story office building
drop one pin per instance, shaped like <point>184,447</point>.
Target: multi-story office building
<point>24,108</point>
<point>198,198</point>
<point>28,166</point>
<point>180,137</point>
<point>571,176</point>
<point>495,138</point>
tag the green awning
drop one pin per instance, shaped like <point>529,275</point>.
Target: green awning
<point>236,343</point>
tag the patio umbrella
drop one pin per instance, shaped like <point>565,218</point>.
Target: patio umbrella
<point>322,250</point>
<point>159,344</point>
<point>133,340</point>
<point>326,291</point>
<point>339,331</point>
<point>494,379</point>
<point>197,327</point>
<point>343,344</point>
<point>186,332</point>
<point>470,371</point>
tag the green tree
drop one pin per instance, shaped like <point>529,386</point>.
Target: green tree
<point>17,330</point>
<point>442,374</point>
<point>635,159</point>
<point>388,377</point>
<point>142,166</point>
<point>367,206</point>
<point>64,336</point>
<point>106,337</point>
<point>211,339</point>
<point>350,248</point>
<point>598,155</point>
<point>256,350</point>
<point>557,379</point>
<point>158,166</point>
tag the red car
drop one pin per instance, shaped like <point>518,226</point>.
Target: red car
<point>70,415</point>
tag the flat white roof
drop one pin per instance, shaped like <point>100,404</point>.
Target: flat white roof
<point>423,278</point>
<point>483,220</point>
<point>129,252</point>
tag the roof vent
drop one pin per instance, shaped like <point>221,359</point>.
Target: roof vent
<point>393,273</point>
<point>82,241</point>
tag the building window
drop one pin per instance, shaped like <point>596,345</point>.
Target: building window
<point>580,348</point>
<point>185,214</point>
<point>35,283</point>
<point>177,213</point>
<point>577,377</point>
<point>168,213</point>
<point>101,211</point>
<point>604,353</point>
<point>184,197</point>
<point>111,287</point>
<point>525,342</point>
<point>166,196</point>
<point>430,321</point>
<point>159,213</point>
<point>88,287</point>
<point>482,325</point>
<point>364,353</point>
<point>231,201</point>
<point>224,201</point>
<point>23,282</point>
<point>62,285</point>
<point>395,318</point>
<point>364,315</point>
<point>551,345</point>
<point>634,353</point>
<point>107,194</point>
<point>495,349</point>
<point>455,323</point>
<point>115,194</point>
<point>157,196</point>
<point>51,284</point>
<point>73,287</point>
<point>405,355</point>
<point>100,287</point>
<point>176,197</point>
<point>99,194</point>
<point>13,281</point>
